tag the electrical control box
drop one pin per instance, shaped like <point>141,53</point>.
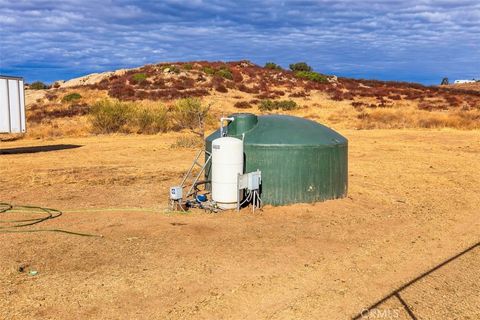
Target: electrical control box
<point>250,181</point>
<point>176,193</point>
<point>254,180</point>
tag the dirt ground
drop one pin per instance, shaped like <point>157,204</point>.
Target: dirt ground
<point>413,203</point>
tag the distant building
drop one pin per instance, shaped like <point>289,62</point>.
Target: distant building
<point>464,81</point>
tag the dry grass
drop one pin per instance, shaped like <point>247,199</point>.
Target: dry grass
<point>345,104</point>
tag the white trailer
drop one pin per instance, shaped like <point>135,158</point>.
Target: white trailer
<point>12,105</point>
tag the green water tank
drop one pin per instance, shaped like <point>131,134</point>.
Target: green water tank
<point>301,160</point>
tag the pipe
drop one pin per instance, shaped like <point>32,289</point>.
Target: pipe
<point>222,119</point>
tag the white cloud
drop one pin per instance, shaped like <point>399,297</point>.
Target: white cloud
<point>79,36</point>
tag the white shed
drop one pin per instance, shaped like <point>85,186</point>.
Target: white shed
<point>464,81</point>
<point>12,105</point>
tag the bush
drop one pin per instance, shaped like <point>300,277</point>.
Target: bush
<point>242,105</point>
<point>190,114</point>
<point>187,142</point>
<point>139,77</point>
<point>272,65</point>
<point>151,121</point>
<point>312,76</point>
<point>38,85</point>
<point>208,70</point>
<point>71,97</point>
<point>171,68</point>
<point>224,73</point>
<point>111,116</point>
<point>268,105</point>
<point>188,66</point>
<point>221,88</point>
<point>300,66</point>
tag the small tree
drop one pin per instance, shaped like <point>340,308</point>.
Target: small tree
<point>300,66</point>
<point>272,65</point>
<point>190,114</point>
<point>38,85</point>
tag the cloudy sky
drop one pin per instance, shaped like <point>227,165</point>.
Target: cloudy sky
<point>406,40</point>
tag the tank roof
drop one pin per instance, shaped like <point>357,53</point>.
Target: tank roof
<point>288,130</point>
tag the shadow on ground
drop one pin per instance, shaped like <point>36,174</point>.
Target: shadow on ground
<point>36,149</point>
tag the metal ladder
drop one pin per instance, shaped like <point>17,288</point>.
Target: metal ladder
<point>189,172</point>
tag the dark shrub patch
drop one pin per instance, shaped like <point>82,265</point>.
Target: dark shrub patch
<point>272,65</point>
<point>224,73</point>
<point>268,105</point>
<point>38,85</point>
<point>242,105</point>
<point>138,77</point>
<point>71,97</point>
<point>300,66</point>
<point>312,76</point>
<point>221,88</point>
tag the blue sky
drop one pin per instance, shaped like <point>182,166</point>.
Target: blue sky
<point>408,40</point>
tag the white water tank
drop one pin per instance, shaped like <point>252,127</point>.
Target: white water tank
<point>227,163</point>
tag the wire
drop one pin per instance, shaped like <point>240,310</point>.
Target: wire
<point>11,225</point>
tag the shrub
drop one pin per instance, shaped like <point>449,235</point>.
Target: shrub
<point>221,88</point>
<point>71,97</point>
<point>208,70</point>
<point>187,142</point>
<point>300,94</point>
<point>242,105</point>
<point>190,114</point>
<point>188,66</point>
<point>300,66</point>
<point>171,69</point>
<point>224,73</point>
<point>38,85</point>
<point>272,65</point>
<point>139,77</point>
<point>109,116</point>
<point>151,121</point>
<point>312,76</point>
<point>267,105</point>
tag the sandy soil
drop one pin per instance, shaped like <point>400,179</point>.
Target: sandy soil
<point>413,203</point>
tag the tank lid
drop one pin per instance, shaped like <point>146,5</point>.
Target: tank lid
<point>243,122</point>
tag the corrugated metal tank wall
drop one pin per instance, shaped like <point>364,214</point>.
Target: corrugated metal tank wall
<point>300,160</point>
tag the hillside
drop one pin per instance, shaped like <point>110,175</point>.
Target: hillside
<point>242,86</point>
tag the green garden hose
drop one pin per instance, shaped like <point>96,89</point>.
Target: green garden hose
<point>14,225</point>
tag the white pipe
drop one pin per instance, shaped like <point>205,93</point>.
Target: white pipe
<point>221,124</point>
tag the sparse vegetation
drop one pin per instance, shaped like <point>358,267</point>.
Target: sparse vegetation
<point>113,116</point>
<point>224,73</point>
<point>72,97</point>
<point>38,85</point>
<point>109,116</point>
<point>273,66</point>
<point>312,76</point>
<point>300,66</point>
<point>347,103</point>
<point>191,114</point>
<point>268,105</point>
<point>151,121</point>
<point>139,77</point>
<point>242,105</point>
<point>188,66</point>
<point>171,69</point>
<point>188,141</point>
